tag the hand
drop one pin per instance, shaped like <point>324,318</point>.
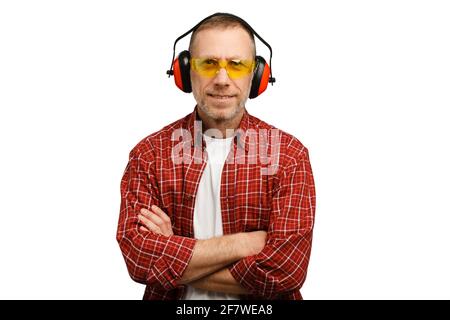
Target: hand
<point>155,220</point>
<point>254,242</point>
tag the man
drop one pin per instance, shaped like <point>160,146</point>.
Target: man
<point>213,216</point>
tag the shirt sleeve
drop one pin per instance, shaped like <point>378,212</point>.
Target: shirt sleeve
<point>281,266</point>
<point>151,258</point>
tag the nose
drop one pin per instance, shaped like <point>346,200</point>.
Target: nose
<point>222,78</point>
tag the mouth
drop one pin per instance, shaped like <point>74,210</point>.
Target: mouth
<point>221,97</point>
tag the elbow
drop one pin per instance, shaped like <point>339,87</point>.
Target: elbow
<point>293,283</point>
<point>149,268</point>
<point>277,286</point>
<point>135,272</point>
<point>281,276</point>
<point>278,272</point>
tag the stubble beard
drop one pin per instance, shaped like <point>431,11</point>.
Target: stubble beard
<point>220,116</point>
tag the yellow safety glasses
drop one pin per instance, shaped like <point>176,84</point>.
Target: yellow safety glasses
<point>235,68</point>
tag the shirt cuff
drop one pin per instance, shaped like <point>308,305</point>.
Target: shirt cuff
<point>170,266</point>
<point>241,271</point>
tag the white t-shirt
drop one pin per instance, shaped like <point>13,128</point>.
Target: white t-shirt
<point>207,211</point>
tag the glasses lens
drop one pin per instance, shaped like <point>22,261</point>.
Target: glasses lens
<point>205,67</point>
<point>239,68</point>
<point>210,67</point>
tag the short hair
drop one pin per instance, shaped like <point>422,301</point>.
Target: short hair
<point>223,21</point>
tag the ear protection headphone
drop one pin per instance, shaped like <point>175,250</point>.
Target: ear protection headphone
<point>180,67</point>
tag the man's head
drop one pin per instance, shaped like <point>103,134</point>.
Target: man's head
<point>223,39</point>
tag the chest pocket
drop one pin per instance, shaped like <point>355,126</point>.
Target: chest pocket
<point>252,201</point>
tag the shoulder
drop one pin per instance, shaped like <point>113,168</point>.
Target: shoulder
<point>156,142</point>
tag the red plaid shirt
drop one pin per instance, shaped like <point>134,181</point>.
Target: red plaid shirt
<point>282,203</point>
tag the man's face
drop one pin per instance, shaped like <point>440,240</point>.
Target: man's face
<point>221,98</point>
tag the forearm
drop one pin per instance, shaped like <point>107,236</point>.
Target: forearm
<point>220,281</point>
<point>212,255</point>
<point>205,256</point>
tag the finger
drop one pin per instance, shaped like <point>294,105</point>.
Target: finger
<point>145,212</point>
<point>160,213</point>
<point>149,225</point>
<point>165,227</point>
<point>153,217</point>
<point>164,224</point>
<point>142,228</point>
<point>160,219</point>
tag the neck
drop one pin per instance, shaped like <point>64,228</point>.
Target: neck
<point>226,127</point>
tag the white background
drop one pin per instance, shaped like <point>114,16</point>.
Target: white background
<point>363,84</point>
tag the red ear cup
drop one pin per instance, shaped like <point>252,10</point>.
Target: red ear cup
<point>177,74</point>
<point>261,77</point>
<point>264,79</point>
<point>181,71</point>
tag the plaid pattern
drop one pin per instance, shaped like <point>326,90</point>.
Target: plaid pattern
<point>283,204</point>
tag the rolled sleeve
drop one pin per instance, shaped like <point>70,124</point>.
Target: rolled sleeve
<point>282,265</point>
<point>151,258</point>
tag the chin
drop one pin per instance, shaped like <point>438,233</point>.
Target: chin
<point>220,112</point>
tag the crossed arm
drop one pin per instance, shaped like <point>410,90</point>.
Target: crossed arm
<point>207,268</point>
<point>269,265</point>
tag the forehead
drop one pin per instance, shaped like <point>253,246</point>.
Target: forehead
<point>223,43</point>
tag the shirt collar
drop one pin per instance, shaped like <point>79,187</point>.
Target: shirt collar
<point>194,127</point>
